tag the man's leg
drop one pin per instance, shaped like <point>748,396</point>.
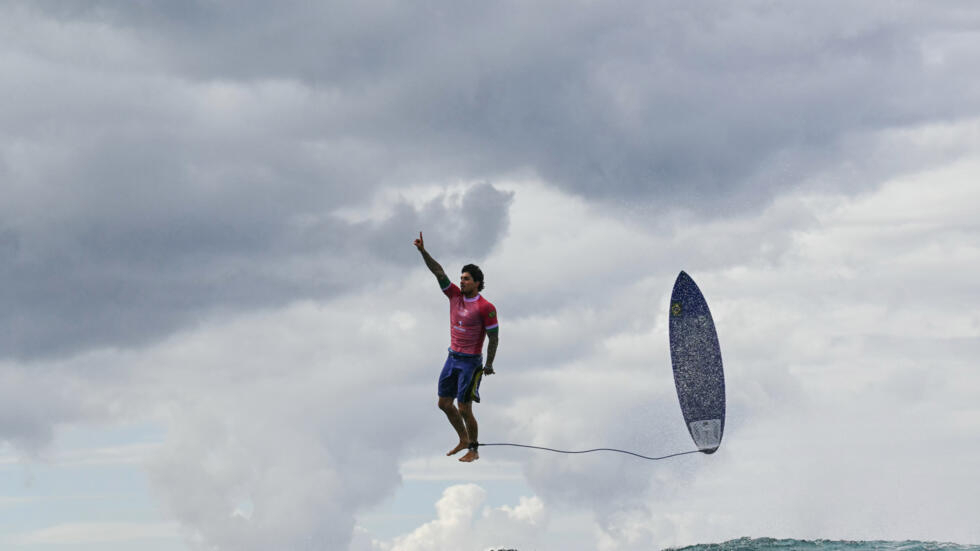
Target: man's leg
<point>446,405</point>
<point>466,412</point>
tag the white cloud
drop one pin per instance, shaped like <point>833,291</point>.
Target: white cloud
<point>284,425</point>
<point>461,517</point>
<point>846,346</point>
<point>290,416</point>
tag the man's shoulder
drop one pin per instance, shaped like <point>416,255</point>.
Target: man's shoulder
<point>489,313</point>
<point>487,307</point>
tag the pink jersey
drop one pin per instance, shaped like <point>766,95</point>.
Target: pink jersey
<point>469,318</point>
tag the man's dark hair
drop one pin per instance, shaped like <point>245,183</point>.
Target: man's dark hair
<point>476,273</point>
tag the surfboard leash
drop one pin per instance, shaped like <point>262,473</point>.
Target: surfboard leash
<point>480,444</point>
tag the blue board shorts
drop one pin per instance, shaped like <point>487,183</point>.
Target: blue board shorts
<point>460,377</point>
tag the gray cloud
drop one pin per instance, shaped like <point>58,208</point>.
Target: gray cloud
<point>699,106</point>
<point>127,278</point>
<point>167,158</point>
<point>136,201</point>
<point>32,404</point>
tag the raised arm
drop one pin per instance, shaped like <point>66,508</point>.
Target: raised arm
<point>433,266</point>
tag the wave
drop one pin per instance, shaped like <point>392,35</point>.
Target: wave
<point>772,544</point>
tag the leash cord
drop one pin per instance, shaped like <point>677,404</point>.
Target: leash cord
<point>590,451</point>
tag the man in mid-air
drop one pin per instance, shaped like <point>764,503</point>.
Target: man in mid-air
<point>471,317</point>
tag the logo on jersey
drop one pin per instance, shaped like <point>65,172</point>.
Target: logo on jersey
<point>493,313</point>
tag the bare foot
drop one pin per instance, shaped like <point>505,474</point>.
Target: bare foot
<point>459,447</point>
<point>470,456</point>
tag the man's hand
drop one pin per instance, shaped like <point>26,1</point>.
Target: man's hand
<point>488,370</point>
<point>431,263</point>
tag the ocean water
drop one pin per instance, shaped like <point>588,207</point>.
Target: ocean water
<point>770,544</point>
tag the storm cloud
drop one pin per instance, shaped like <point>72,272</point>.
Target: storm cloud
<point>163,161</point>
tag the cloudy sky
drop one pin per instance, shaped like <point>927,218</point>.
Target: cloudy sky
<point>215,333</point>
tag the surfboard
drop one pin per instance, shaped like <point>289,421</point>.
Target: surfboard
<point>696,359</point>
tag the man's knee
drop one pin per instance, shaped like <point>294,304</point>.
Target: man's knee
<point>446,404</point>
<point>466,408</point>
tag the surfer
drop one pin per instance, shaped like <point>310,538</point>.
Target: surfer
<point>471,318</point>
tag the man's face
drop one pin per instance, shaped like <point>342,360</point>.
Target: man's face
<point>466,283</point>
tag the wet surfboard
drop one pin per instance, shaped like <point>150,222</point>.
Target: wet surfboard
<point>696,359</point>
